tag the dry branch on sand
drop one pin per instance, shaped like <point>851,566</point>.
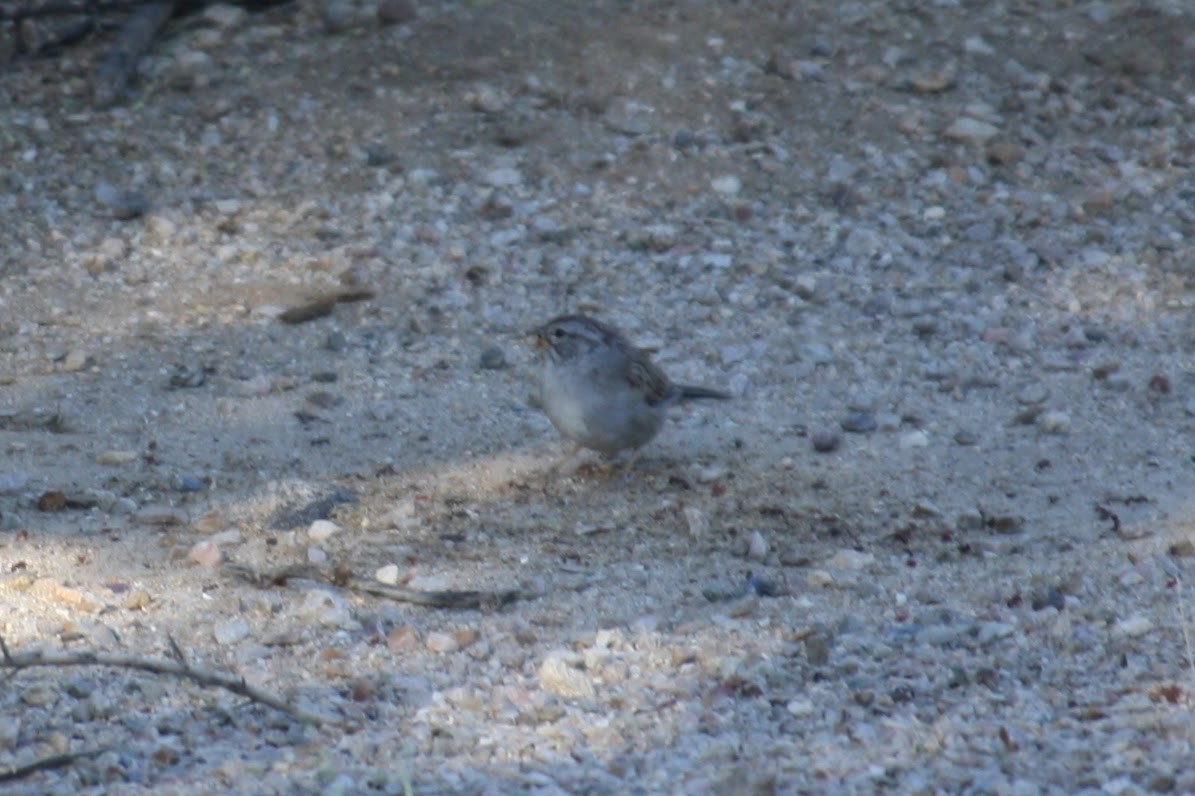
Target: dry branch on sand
<point>179,667</point>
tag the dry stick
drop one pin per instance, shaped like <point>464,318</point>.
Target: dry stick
<point>48,764</point>
<point>346,580</point>
<point>116,72</point>
<point>1184,623</point>
<point>66,9</point>
<point>179,668</point>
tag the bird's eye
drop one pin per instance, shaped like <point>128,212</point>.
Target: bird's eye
<point>558,333</point>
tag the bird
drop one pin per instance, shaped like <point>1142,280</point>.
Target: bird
<point>600,391</point>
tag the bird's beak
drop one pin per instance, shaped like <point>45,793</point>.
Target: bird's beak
<point>537,338</point>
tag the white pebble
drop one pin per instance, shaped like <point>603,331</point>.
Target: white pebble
<point>205,553</point>
<point>441,642</point>
<point>1133,626</point>
<point>1054,422</point>
<point>974,45</point>
<point>504,177</point>
<point>231,632</point>
<point>322,530</point>
<point>116,457</point>
<point>708,475</point>
<point>914,439</point>
<point>699,523</point>
<point>970,131</point>
<point>557,676</point>
<point>229,537</point>
<point>819,578</point>
<point>727,185</point>
<point>800,707</point>
<point>847,560</point>
<point>757,547</point>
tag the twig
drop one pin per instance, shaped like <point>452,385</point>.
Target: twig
<point>66,9</point>
<point>346,580</point>
<point>179,668</point>
<point>1184,622</point>
<point>119,66</point>
<point>48,764</point>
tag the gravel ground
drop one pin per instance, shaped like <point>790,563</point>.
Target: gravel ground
<point>940,253</point>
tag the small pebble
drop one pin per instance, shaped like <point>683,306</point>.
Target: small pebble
<point>850,560</point>
<point>1159,383</point>
<point>712,473</point>
<point>1054,422</point>
<point>504,177</point>
<point>817,353</point>
<point>697,521</point>
<point>970,131</point>
<point>402,638</point>
<point>225,15</point>
<point>1051,598</point>
<point>859,423</point>
<point>230,536</point>
<point>1004,523</point>
<point>1035,393</point>
<point>231,632</point>
<point>116,457</point>
<point>123,205</point>
<point>75,361</point>
<point>801,708</point>
<point>557,676</point>
<point>914,439</point>
<point>387,574</point>
<point>991,631</point>
<point>493,358</point>
<point>825,440</point>
<point>441,642</point>
<point>13,482</point>
<point>322,530</point>
<point>757,547</point>
<point>818,579</point>
<point>1133,626</point>
<point>205,553</point>
<point>487,99</point>
<point>728,185</point>
<point>926,508</point>
<point>818,646</point>
<point>397,12</point>
<point>335,341</point>
<point>684,139</point>
<point>336,15</point>
<point>190,483</point>
<point>39,695</point>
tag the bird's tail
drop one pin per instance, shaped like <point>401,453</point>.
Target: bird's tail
<point>690,391</point>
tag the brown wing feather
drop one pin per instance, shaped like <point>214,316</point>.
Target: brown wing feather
<point>642,372</point>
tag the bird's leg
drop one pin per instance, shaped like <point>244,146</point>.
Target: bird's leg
<point>570,464</point>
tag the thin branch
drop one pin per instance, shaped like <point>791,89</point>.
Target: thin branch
<point>1185,622</point>
<point>119,66</point>
<point>180,668</point>
<point>344,579</point>
<point>48,764</point>
<point>66,9</point>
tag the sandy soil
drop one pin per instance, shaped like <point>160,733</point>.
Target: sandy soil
<point>949,244</point>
